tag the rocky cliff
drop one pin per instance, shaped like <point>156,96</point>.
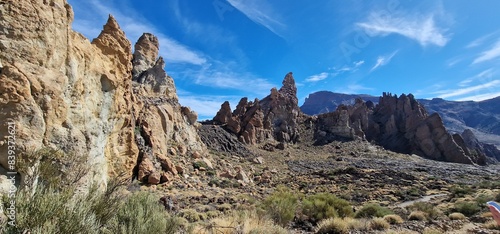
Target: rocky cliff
<point>95,99</point>
<point>275,117</point>
<point>400,124</point>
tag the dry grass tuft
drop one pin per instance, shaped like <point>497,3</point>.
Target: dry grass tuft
<point>379,224</point>
<point>417,215</point>
<point>332,226</point>
<point>456,216</point>
<point>393,219</point>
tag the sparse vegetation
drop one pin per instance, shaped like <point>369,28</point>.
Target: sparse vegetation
<point>460,191</point>
<point>372,210</point>
<point>430,210</point>
<point>241,222</point>
<point>492,225</point>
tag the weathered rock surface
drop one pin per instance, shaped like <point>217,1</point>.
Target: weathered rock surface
<point>274,117</point>
<point>478,148</point>
<point>91,98</point>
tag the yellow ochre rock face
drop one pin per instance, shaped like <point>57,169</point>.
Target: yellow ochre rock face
<point>65,92</point>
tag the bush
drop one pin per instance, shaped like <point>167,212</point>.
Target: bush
<point>431,212</point>
<point>324,205</point>
<point>460,191</point>
<point>483,198</point>
<point>141,213</point>
<point>467,208</point>
<point>456,216</point>
<point>379,224</point>
<point>393,219</point>
<point>417,215</point>
<point>372,210</point>
<point>497,197</point>
<point>332,226</point>
<point>281,205</point>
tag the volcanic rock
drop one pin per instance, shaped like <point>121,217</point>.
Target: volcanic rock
<point>91,98</point>
<point>274,117</point>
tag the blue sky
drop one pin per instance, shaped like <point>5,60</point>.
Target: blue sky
<point>219,50</point>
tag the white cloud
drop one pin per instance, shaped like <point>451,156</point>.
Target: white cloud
<point>317,77</point>
<point>468,90</point>
<point>492,53</point>
<point>260,12</point>
<point>334,71</point>
<point>480,97</point>
<point>483,75</point>
<point>422,29</point>
<point>171,50</point>
<point>383,60</point>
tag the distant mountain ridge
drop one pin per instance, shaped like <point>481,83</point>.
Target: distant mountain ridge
<point>483,118</point>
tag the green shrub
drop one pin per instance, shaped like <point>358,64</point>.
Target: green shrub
<point>372,210</point>
<point>460,191</point>
<point>467,208</point>
<point>51,211</point>
<point>324,205</point>
<point>393,219</point>
<point>281,205</point>
<point>483,198</point>
<point>141,213</point>
<point>379,224</point>
<point>431,212</point>
<point>332,226</point>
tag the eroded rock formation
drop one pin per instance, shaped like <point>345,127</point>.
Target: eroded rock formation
<point>274,117</point>
<point>400,124</point>
<point>90,98</point>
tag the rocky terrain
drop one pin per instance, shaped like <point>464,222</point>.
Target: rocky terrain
<point>119,111</point>
<point>480,117</point>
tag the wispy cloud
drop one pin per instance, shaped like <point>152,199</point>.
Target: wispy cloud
<point>490,54</point>
<point>480,97</point>
<point>225,75</point>
<point>317,77</point>
<point>383,60</point>
<point>260,12</point>
<point>483,75</point>
<point>481,40</point>
<point>422,29</point>
<point>334,71</point>
<point>171,50</point>
<point>468,90</point>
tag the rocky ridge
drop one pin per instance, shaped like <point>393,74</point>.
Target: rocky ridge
<point>95,99</point>
<point>275,117</point>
